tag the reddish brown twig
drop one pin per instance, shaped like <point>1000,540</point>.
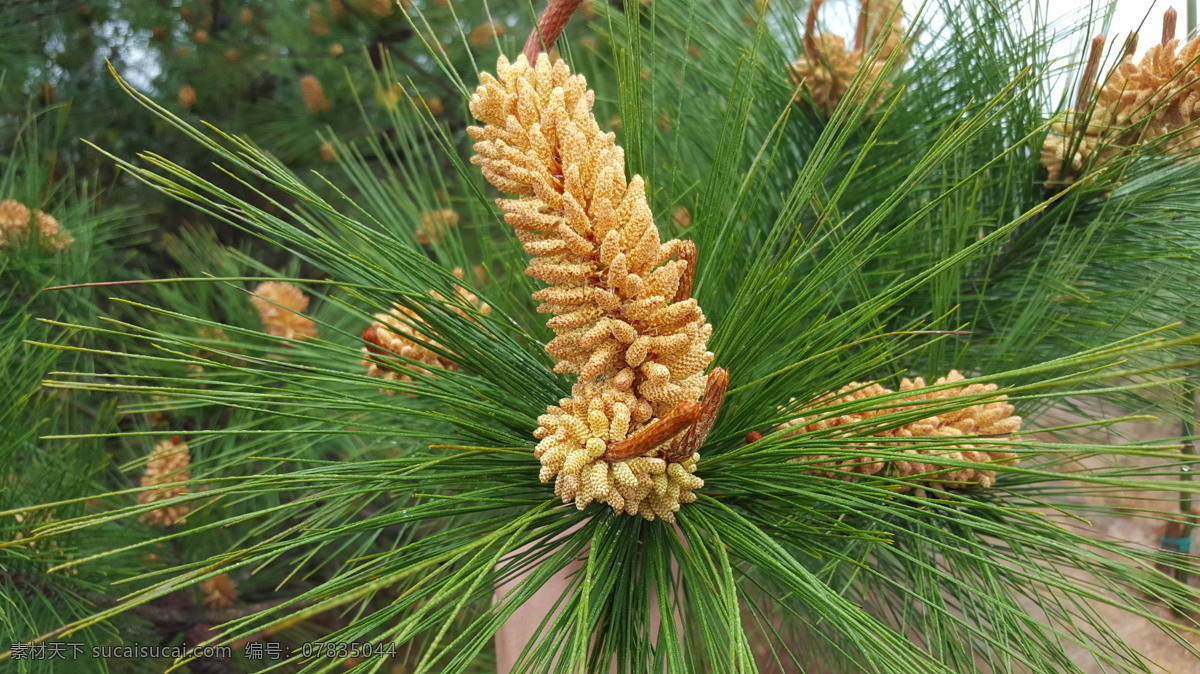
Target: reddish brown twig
<point>1169,20</point>
<point>1089,73</point>
<point>687,253</point>
<point>860,31</point>
<point>710,405</point>
<point>1131,43</point>
<point>810,26</point>
<point>549,26</point>
<point>683,416</point>
<point>374,345</point>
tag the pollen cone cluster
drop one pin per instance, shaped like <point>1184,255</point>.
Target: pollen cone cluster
<point>16,220</point>
<point>993,418</point>
<point>281,307</point>
<point>315,100</point>
<point>396,333</point>
<point>483,35</point>
<point>168,463</point>
<point>1138,103</point>
<point>187,97</point>
<point>435,225</point>
<point>317,23</point>
<point>218,592</point>
<point>383,8</point>
<point>625,320</point>
<point>828,65</point>
<point>32,521</point>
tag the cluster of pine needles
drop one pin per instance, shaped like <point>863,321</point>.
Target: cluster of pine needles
<point>815,314</point>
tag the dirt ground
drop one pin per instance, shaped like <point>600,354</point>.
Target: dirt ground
<point>1161,649</point>
<point>1167,654</point>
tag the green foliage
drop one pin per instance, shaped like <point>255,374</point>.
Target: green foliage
<point>906,240</point>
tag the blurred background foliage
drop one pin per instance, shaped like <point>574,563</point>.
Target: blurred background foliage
<point>873,243</point>
<point>286,74</point>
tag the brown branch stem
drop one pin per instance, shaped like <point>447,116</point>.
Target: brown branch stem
<point>549,26</point>
<point>1089,74</point>
<point>1170,18</point>
<point>810,26</point>
<point>860,31</point>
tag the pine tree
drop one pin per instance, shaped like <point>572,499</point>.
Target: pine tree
<point>814,425</point>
